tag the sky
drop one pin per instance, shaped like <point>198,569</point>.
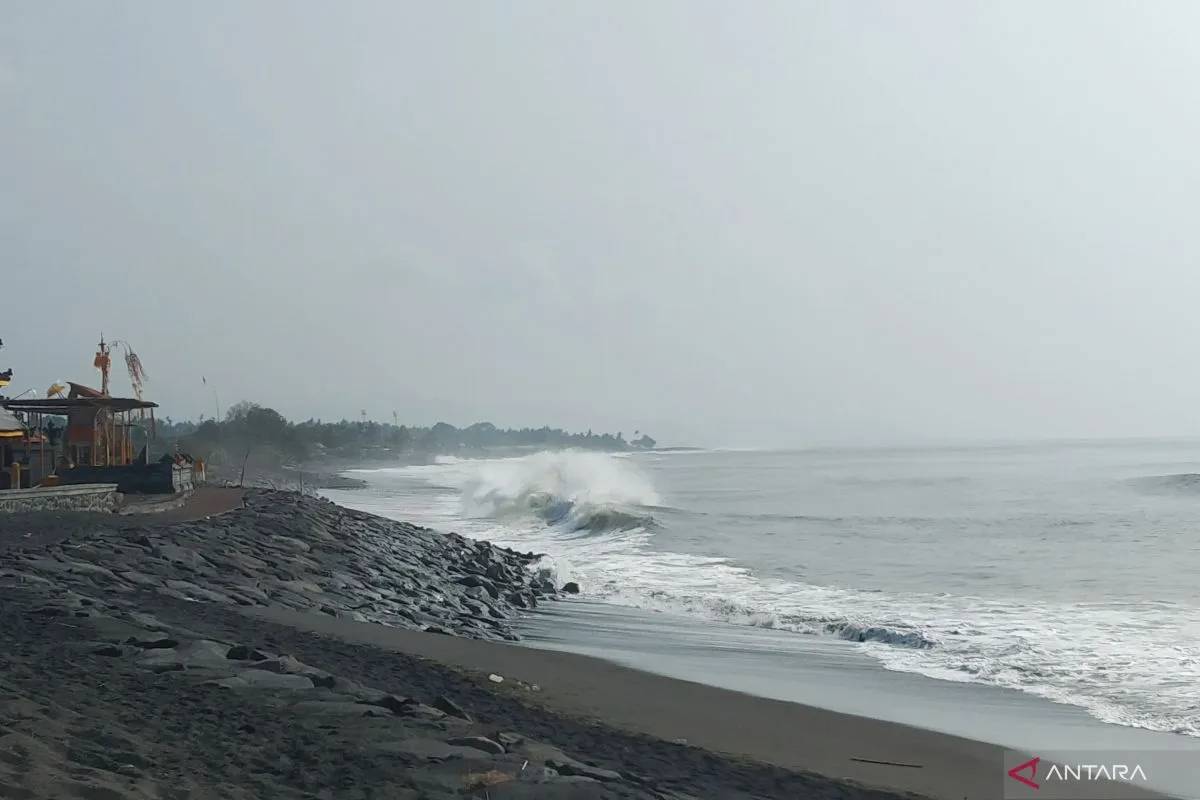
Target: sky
<point>736,224</point>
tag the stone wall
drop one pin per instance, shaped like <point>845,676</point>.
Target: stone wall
<point>87,497</point>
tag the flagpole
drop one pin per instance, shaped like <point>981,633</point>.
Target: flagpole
<point>216,398</point>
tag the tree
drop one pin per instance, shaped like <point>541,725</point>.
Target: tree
<point>239,410</point>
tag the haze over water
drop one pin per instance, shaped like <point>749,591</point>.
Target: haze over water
<point>1066,570</point>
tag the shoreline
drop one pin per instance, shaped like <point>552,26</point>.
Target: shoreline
<point>286,624</point>
<point>988,715</point>
<point>1054,698</point>
<point>872,753</point>
<point>828,673</point>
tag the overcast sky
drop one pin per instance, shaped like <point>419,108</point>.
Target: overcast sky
<point>724,223</point>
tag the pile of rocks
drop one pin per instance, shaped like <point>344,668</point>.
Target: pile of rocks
<point>128,673</point>
<point>98,700</point>
<point>446,748</point>
<point>305,553</point>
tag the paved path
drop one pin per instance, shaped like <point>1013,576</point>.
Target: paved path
<point>204,502</point>
<point>41,528</point>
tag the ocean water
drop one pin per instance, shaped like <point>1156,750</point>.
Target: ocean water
<point>1067,571</point>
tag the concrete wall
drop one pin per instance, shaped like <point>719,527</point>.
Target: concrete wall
<point>85,497</point>
<point>159,477</point>
<point>183,477</point>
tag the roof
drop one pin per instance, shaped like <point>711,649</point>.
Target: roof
<point>9,425</point>
<point>58,405</point>
<point>79,390</point>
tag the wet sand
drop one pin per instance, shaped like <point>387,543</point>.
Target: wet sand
<point>873,752</point>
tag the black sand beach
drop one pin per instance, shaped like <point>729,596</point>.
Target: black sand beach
<point>292,648</point>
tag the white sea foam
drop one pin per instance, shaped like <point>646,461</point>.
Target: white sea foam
<point>1135,663</point>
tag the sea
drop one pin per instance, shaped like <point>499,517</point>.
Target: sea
<point>1066,572</point>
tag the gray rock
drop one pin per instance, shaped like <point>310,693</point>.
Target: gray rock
<point>420,711</point>
<point>479,743</point>
<point>189,590</point>
<point>139,578</point>
<point>431,749</point>
<point>339,709</point>
<point>546,784</point>
<point>571,587</point>
<point>545,753</point>
<point>397,705</point>
<point>573,767</point>
<point>50,565</point>
<point>290,543</point>
<point>152,644</point>
<point>147,621</point>
<point>241,652</point>
<point>350,688</point>
<point>451,708</point>
<point>180,555</point>
<point>194,654</point>
<point>260,679</point>
<point>509,739</point>
<point>476,580</point>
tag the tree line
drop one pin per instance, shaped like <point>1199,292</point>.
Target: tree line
<point>249,425</point>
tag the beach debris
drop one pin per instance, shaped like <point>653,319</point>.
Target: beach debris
<point>481,780</point>
<point>887,763</point>
<point>494,678</point>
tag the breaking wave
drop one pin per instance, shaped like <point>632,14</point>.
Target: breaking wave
<point>875,633</point>
<point>560,495</point>
<point>605,526</point>
<point>570,490</point>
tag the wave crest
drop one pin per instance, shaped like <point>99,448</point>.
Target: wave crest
<point>574,490</point>
<point>875,633</point>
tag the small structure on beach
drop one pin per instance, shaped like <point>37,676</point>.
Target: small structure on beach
<point>99,430</point>
<point>88,437</point>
